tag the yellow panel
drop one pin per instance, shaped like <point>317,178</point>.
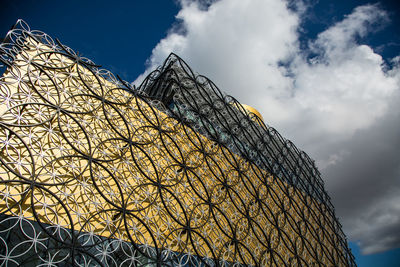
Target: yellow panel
<point>84,154</point>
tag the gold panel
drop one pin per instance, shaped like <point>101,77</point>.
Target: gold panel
<point>80,152</point>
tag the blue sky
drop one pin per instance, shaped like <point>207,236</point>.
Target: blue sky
<point>324,73</point>
<point>118,35</point>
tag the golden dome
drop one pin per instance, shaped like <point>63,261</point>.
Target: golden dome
<point>252,110</point>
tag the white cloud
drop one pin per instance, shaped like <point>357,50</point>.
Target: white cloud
<point>325,105</point>
<point>213,47</point>
<point>337,39</point>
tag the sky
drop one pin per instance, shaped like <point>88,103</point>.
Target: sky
<point>325,74</point>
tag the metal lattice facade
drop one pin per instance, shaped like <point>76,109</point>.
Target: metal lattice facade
<point>95,172</point>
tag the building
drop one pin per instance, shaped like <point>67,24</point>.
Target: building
<point>96,172</point>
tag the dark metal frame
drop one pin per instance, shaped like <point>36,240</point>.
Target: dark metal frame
<point>204,116</point>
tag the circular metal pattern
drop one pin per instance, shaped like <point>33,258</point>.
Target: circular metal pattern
<point>97,173</point>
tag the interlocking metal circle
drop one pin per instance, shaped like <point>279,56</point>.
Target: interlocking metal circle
<point>95,172</point>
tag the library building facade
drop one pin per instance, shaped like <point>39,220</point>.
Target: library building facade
<point>97,172</point>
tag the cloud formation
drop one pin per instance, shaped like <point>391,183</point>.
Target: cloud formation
<point>336,100</point>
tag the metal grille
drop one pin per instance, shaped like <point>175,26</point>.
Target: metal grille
<point>95,172</point>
